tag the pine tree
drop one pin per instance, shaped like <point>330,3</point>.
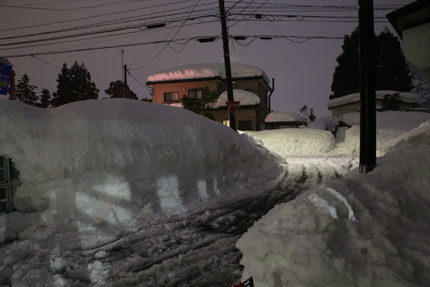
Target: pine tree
<point>25,92</point>
<point>74,84</point>
<point>116,90</point>
<point>391,69</point>
<point>45,99</point>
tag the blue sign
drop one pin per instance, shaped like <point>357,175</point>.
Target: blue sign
<point>5,73</point>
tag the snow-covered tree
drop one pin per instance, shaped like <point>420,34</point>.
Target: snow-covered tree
<point>25,92</point>
<point>308,113</point>
<point>74,84</point>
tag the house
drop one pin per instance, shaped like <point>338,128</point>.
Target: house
<point>251,87</point>
<point>281,120</point>
<point>385,100</point>
<point>412,24</point>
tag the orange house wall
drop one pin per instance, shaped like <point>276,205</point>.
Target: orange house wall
<point>181,88</point>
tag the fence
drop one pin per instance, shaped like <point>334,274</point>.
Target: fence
<point>5,186</point>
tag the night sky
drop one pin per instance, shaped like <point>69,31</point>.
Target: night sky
<point>301,64</point>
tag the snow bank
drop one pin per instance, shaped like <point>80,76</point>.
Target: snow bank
<point>390,120</point>
<point>355,97</point>
<point>284,117</point>
<point>246,98</point>
<point>207,70</point>
<point>363,230</point>
<point>111,161</point>
<point>294,142</point>
<point>390,126</point>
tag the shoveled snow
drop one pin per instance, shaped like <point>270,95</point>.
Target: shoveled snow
<point>106,160</point>
<point>390,120</point>
<point>363,230</point>
<point>295,142</point>
<point>125,193</point>
<point>207,70</point>
<point>355,97</point>
<point>284,117</point>
<point>245,98</point>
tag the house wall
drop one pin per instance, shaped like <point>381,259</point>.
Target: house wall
<point>182,88</point>
<point>255,114</point>
<point>355,107</point>
<point>245,114</point>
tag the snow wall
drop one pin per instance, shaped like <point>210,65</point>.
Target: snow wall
<point>117,160</point>
<point>363,230</point>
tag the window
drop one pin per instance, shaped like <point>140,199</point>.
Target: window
<point>195,94</point>
<point>171,97</point>
<point>5,188</point>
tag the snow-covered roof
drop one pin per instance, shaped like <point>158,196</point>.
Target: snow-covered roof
<point>207,70</point>
<point>244,97</point>
<point>355,97</point>
<point>284,117</point>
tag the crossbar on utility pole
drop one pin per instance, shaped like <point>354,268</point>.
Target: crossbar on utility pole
<point>227,63</point>
<point>367,87</point>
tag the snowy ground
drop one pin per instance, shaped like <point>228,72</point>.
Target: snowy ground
<point>362,230</point>
<point>125,193</point>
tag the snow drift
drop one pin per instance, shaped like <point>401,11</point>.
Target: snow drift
<point>295,142</point>
<point>363,230</point>
<point>111,161</point>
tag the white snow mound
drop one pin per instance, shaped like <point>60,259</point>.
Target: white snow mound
<point>363,230</point>
<point>295,142</point>
<point>104,161</point>
<point>245,98</point>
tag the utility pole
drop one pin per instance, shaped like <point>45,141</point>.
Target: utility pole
<point>125,82</point>
<point>367,87</point>
<point>227,64</point>
<point>122,63</point>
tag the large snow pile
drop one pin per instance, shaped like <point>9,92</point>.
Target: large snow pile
<point>390,120</point>
<point>363,230</point>
<point>355,97</point>
<point>112,161</point>
<point>207,70</point>
<point>295,142</point>
<point>390,126</point>
<point>284,117</point>
<point>245,98</point>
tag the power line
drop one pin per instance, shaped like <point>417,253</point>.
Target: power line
<point>184,40</point>
<point>46,62</point>
<point>64,9</point>
<point>97,32</point>
<point>96,16</point>
<point>139,82</point>
<point>92,37</point>
<point>167,43</point>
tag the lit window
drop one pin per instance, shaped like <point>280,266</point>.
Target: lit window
<point>195,94</point>
<point>171,97</point>
<point>226,122</point>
